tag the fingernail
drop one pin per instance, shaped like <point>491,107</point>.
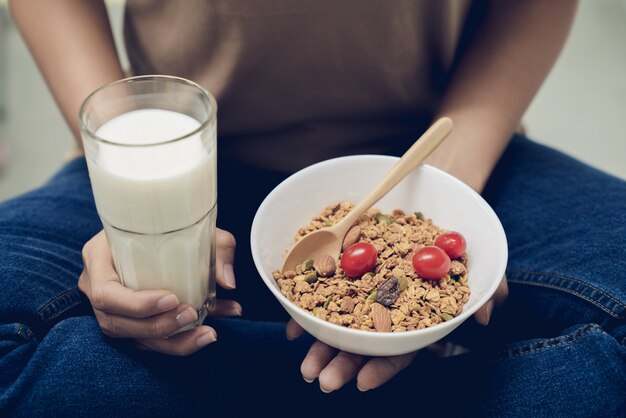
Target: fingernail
<point>324,390</point>
<point>186,317</point>
<point>229,276</point>
<point>308,380</point>
<point>206,339</point>
<point>360,388</point>
<point>168,302</point>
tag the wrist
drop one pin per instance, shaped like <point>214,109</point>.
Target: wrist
<point>469,175</point>
<point>467,165</point>
<point>474,146</point>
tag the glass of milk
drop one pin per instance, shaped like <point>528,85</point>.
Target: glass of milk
<point>150,145</point>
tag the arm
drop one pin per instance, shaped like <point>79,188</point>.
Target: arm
<point>495,81</point>
<point>72,43</point>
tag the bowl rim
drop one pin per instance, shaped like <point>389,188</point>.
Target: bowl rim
<point>454,322</point>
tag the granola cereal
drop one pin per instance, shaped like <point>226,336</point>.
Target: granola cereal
<point>390,298</point>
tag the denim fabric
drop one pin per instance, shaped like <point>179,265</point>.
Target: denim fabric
<point>557,348</point>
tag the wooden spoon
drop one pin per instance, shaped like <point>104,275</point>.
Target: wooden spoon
<point>328,241</point>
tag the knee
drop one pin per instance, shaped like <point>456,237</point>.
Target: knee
<point>76,369</point>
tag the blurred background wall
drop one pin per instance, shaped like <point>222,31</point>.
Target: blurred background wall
<point>581,108</point>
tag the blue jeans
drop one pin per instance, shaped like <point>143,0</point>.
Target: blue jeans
<point>556,348</point>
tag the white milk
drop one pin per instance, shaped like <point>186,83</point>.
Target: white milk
<point>157,202</point>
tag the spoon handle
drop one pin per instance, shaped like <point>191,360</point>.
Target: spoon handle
<point>409,161</point>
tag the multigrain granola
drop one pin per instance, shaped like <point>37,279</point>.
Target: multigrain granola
<point>392,297</point>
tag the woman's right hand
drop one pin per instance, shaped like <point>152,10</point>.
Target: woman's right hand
<point>151,316</point>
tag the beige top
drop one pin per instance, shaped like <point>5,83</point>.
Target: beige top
<point>299,81</point>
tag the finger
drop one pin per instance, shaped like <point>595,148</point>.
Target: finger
<point>104,289</point>
<point>317,358</point>
<point>502,293</point>
<point>343,368</point>
<point>483,314</point>
<point>158,326</point>
<point>226,307</point>
<point>380,369</point>
<point>225,254</point>
<point>293,330</point>
<point>182,344</point>
<point>115,299</point>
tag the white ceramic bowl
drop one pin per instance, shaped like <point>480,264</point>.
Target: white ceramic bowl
<point>447,201</point>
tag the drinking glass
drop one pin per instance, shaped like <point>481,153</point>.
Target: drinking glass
<point>150,146</point>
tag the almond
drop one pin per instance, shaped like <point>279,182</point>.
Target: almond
<point>381,318</point>
<point>351,237</point>
<point>325,266</point>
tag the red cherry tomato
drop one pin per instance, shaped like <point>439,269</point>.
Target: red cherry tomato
<point>431,263</point>
<point>452,243</point>
<point>358,259</point>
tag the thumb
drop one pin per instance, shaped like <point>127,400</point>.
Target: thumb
<point>224,257</point>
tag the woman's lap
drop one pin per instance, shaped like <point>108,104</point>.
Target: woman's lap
<point>567,229</point>
<point>41,237</point>
<point>76,370</point>
<point>564,276</point>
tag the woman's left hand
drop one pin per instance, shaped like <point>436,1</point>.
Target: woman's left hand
<point>335,368</point>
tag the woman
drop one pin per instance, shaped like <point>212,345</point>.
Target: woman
<point>297,83</point>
